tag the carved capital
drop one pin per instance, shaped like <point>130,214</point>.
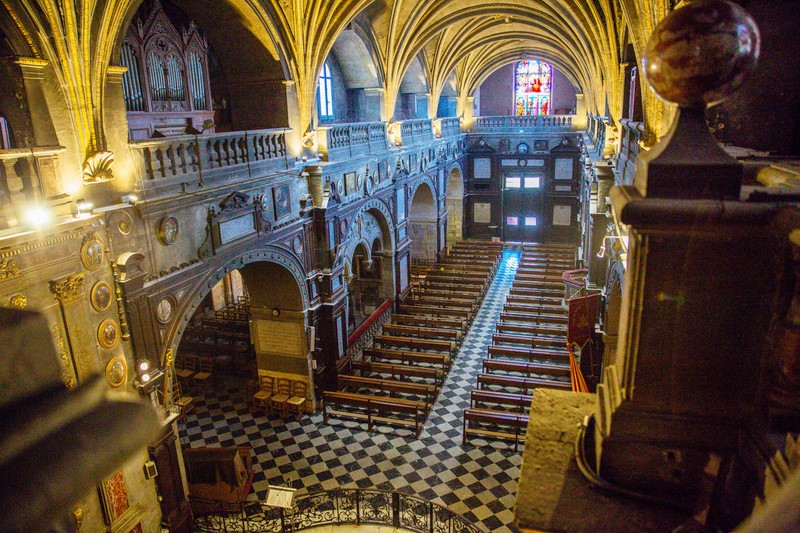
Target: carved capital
<point>68,289</point>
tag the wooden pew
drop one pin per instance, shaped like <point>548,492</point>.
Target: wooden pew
<point>407,357</point>
<point>424,320</point>
<point>524,384</point>
<point>534,310</point>
<point>517,402</point>
<point>408,343</point>
<point>529,354</point>
<point>492,366</point>
<point>435,310</point>
<point>461,278</point>
<point>526,340</point>
<point>529,284</point>
<point>399,371</point>
<point>535,318</point>
<point>448,293</point>
<point>389,386</point>
<point>419,331</point>
<point>524,291</point>
<point>374,409</point>
<point>532,329</point>
<point>516,422</point>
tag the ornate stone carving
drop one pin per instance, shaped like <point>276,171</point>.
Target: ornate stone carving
<point>8,269</point>
<point>97,167</point>
<point>63,357</point>
<point>69,289</point>
<point>19,301</point>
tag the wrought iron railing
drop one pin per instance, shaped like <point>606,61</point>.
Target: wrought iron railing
<point>335,507</point>
<point>362,336</point>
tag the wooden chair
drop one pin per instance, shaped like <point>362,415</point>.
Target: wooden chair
<point>266,388</point>
<point>205,370</point>
<point>184,369</point>
<point>297,401</point>
<point>282,393</point>
<point>184,403</point>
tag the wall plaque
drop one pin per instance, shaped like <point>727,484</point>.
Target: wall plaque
<point>280,337</point>
<point>482,213</point>
<point>482,168</point>
<point>562,215</point>
<point>563,169</point>
<point>236,227</point>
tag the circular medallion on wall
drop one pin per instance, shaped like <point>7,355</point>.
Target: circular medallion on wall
<point>360,183</point>
<point>92,253</point>
<point>168,230</point>
<point>108,333</point>
<point>101,296</point>
<point>122,221</point>
<point>522,148</point>
<point>522,162</point>
<point>370,185</point>
<point>265,205</point>
<point>164,310</point>
<point>343,227</point>
<point>297,244</point>
<point>117,371</point>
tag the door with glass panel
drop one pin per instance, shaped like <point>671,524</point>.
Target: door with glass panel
<point>522,207</point>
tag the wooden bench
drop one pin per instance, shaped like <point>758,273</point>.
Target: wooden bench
<point>374,407</point>
<point>523,384</point>
<point>504,419</point>
<point>534,310</point>
<point>399,371</point>
<point>492,366</point>
<point>530,284</point>
<point>410,343</point>
<point>409,358</point>
<point>447,293</point>
<point>460,278</point>
<point>536,318</point>
<point>453,286</point>
<point>517,402</point>
<point>435,310</point>
<point>389,386</point>
<point>523,291</point>
<point>424,320</point>
<point>532,329</point>
<point>527,340</point>
<point>529,354</point>
<point>424,332</point>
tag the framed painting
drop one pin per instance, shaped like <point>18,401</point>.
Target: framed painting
<point>350,184</point>
<point>281,199</point>
<point>101,296</point>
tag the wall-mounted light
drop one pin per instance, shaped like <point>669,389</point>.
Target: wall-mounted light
<point>37,216</point>
<point>83,208</point>
<point>130,198</point>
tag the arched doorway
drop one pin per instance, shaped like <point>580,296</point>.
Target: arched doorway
<point>422,224</point>
<point>250,324</point>
<point>455,206</point>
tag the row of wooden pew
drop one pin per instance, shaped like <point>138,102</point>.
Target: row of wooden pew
<point>528,348</point>
<point>396,380</point>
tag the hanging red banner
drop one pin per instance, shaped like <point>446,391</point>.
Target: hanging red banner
<point>582,316</point>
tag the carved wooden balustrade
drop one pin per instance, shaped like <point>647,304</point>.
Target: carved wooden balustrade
<point>27,175</point>
<point>499,123</point>
<point>348,140</point>
<point>631,132</point>
<point>186,159</point>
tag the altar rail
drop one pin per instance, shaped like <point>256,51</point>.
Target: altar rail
<point>348,140</point>
<point>527,123</point>
<point>363,334</point>
<point>335,507</point>
<point>186,158</point>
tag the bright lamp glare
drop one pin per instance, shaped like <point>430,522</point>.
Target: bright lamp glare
<point>145,378</point>
<point>144,365</point>
<point>37,216</point>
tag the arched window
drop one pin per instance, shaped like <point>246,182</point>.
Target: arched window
<point>325,94</point>
<point>532,87</point>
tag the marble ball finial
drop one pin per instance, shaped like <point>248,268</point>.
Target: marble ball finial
<point>701,53</point>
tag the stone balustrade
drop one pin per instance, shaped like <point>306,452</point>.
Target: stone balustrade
<point>348,140</point>
<point>450,126</point>
<point>527,123</point>
<point>417,131</point>
<point>29,175</point>
<point>186,158</point>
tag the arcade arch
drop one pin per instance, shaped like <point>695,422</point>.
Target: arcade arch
<point>455,206</point>
<point>422,225</point>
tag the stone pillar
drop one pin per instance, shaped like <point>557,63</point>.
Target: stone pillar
<point>579,122</point>
<point>374,110</point>
<point>33,77</point>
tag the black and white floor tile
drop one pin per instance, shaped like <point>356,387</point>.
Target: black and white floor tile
<point>477,479</point>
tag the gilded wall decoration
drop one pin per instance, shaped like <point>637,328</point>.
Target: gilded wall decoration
<point>168,229</point>
<point>92,253</point>
<point>63,357</point>
<point>117,371</point>
<point>8,269</point>
<point>108,333</point>
<point>101,296</point>
<point>68,289</point>
<point>19,301</point>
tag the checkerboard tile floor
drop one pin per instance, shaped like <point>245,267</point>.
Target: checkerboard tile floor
<point>477,480</point>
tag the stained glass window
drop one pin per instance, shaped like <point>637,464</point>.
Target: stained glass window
<point>532,86</point>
